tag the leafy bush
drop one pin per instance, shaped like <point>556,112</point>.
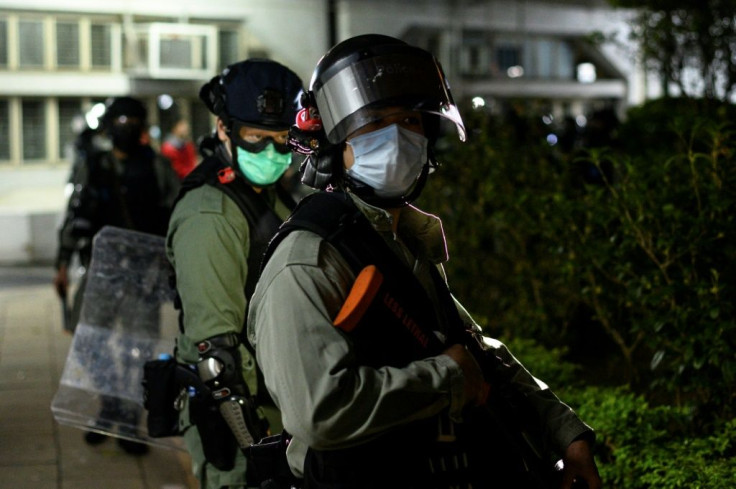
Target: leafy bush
<point>639,445</point>
<point>624,255</point>
<point>644,446</point>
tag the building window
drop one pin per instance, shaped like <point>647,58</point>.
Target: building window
<point>202,122</point>
<point>475,54</point>
<point>4,130</point>
<point>67,44</point>
<point>70,112</point>
<point>507,56</point>
<point>34,130</point>
<point>101,46</point>
<point>229,52</point>
<point>31,43</point>
<point>176,53</point>
<point>566,61</point>
<point>3,43</point>
<point>545,57</point>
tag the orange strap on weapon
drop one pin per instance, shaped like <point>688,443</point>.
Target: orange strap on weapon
<point>361,295</point>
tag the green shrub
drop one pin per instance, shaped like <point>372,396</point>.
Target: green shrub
<point>640,446</point>
<point>544,362</point>
<point>623,255</point>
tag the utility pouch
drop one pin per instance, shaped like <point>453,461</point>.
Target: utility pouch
<point>218,442</point>
<point>268,467</point>
<point>160,391</point>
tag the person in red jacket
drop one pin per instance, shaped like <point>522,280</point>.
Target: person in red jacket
<point>179,148</point>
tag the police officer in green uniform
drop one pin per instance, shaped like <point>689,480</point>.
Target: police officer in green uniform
<point>228,209</point>
<point>372,372</point>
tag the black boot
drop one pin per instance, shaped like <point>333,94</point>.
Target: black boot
<point>94,437</point>
<point>133,447</point>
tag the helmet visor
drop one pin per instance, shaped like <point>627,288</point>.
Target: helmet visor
<point>412,79</point>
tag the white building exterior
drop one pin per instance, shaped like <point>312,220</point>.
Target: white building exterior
<point>58,58</point>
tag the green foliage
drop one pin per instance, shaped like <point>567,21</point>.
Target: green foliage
<point>645,446</point>
<point>678,37</point>
<point>639,445</point>
<point>627,249</point>
<point>543,362</point>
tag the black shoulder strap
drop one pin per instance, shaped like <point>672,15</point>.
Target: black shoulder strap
<point>334,217</point>
<point>323,213</point>
<point>252,205</point>
<point>262,220</point>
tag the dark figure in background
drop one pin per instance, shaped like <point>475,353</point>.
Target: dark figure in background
<point>179,149</point>
<point>128,186</point>
<point>362,345</point>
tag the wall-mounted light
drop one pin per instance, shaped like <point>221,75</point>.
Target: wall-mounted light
<point>515,71</point>
<point>586,73</point>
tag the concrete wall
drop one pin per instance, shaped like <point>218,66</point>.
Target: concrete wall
<point>31,205</point>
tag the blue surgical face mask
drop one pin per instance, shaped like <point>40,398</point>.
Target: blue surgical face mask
<point>389,160</point>
<point>263,168</point>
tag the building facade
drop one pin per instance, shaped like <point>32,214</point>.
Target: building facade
<point>58,60</point>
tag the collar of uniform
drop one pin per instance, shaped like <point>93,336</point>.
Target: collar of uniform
<point>423,232</point>
<point>420,231</point>
<point>380,219</point>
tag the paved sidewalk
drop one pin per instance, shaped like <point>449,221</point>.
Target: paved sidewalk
<point>35,451</point>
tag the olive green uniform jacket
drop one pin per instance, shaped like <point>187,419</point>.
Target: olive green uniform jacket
<point>327,400</point>
<point>208,243</point>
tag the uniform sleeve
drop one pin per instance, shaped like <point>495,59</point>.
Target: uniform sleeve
<point>78,181</point>
<point>327,399</point>
<point>169,181</point>
<point>561,424</point>
<point>208,243</point>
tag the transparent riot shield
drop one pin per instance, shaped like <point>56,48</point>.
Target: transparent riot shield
<point>127,318</point>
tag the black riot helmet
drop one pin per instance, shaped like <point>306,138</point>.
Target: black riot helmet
<point>374,71</point>
<point>257,92</point>
<point>357,78</point>
<point>125,120</point>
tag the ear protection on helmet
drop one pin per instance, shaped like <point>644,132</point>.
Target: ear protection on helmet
<point>214,97</point>
<point>323,163</point>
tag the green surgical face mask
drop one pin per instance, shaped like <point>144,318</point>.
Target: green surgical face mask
<point>265,167</point>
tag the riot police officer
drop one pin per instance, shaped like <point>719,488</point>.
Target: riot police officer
<point>362,346</point>
<point>229,207</point>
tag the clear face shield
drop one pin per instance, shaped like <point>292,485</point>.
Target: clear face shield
<point>412,79</point>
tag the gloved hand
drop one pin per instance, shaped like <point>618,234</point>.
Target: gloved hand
<point>580,466</point>
<point>61,281</point>
<point>475,390</point>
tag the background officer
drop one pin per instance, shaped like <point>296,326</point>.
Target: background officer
<point>128,186</point>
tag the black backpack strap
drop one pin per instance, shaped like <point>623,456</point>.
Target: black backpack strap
<point>262,220</point>
<point>323,213</point>
<point>334,217</point>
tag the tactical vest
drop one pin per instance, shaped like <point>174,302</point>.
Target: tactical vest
<point>129,198</point>
<point>387,335</point>
<point>262,222</point>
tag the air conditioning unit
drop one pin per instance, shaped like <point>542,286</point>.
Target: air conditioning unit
<point>172,51</point>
